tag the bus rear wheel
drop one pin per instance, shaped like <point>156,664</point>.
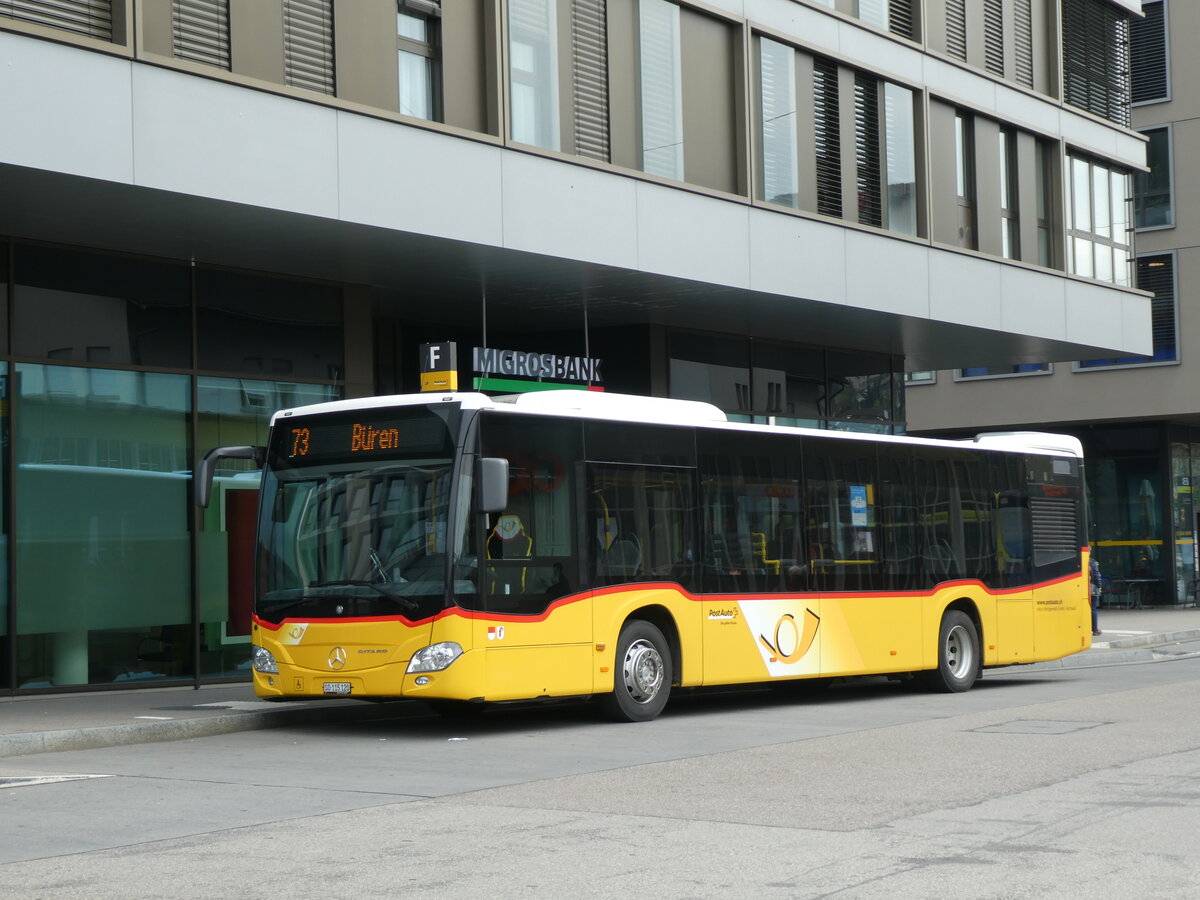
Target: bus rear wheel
<point>958,654</point>
<point>642,680</point>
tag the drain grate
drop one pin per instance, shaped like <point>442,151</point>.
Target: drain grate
<point>1040,726</point>
<point>14,781</point>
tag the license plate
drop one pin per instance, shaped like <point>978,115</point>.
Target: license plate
<point>337,687</point>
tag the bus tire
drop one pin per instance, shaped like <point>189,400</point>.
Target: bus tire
<point>642,676</point>
<point>958,654</point>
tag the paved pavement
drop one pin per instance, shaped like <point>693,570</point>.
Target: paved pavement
<point>53,722</point>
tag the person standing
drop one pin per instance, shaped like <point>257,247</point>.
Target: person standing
<point>1094,585</point>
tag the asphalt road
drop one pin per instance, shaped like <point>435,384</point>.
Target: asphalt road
<point>1069,783</point>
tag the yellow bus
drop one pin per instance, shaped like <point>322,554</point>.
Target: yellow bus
<point>465,550</point>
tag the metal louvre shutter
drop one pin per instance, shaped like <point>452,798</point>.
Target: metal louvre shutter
<point>993,36</point>
<point>589,65</point>
<point>1023,42</point>
<point>308,44</point>
<point>1148,46</point>
<point>826,138</point>
<point>1055,529</point>
<point>1096,59</point>
<point>1157,275</point>
<point>866,138</point>
<point>956,29</point>
<point>202,31</point>
<point>92,18</point>
<point>900,18</point>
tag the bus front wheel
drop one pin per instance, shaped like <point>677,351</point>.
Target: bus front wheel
<point>958,654</point>
<point>642,680</point>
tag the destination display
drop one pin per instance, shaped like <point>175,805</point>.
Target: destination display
<point>399,433</point>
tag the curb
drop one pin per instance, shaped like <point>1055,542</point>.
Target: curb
<point>27,743</point>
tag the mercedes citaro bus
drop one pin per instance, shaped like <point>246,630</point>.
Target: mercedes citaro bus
<point>466,549</point>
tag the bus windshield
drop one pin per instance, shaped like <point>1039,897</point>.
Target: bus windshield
<point>357,517</point>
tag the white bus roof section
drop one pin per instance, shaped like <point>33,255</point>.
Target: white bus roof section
<point>1032,441</point>
<point>665,411</point>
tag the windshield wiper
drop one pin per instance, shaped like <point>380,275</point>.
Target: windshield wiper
<point>405,603</point>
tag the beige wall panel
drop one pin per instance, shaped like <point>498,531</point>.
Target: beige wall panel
<point>469,65</point>
<point>624,134</point>
<point>805,148</point>
<point>710,102</point>
<point>1045,52</point>
<point>943,203</point>
<point>987,186</point>
<point>256,39</point>
<point>1026,182</point>
<point>364,38</point>
<point>157,27</point>
<point>934,27</point>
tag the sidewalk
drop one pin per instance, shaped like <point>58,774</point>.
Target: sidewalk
<point>55,722</point>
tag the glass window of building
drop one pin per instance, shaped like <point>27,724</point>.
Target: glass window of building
<point>1045,203</point>
<point>1004,371</point>
<point>5,249</point>
<point>861,388</point>
<point>92,308</point>
<point>1098,234</point>
<point>1148,37</point>
<point>533,72</point>
<point>778,127</point>
<point>417,56</point>
<point>661,88</point>
<point>900,157</point>
<point>964,177</point>
<point>920,376</point>
<point>103,547</point>
<point>1156,274</point>
<point>1152,202</point>
<point>234,412</point>
<point>1010,246</point>
<point>256,326</point>
<point>5,610</point>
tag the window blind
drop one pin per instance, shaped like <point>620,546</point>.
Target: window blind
<point>201,31</point>
<point>827,141</point>
<point>92,18</point>
<point>1157,275</point>
<point>956,29</point>
<point>900,18</point>
<point>1148,51</point>
<point>1023,42</point>
<point>308,44</point>
<point>993,36</point>
<point>589,63</point>
<point>1096,58</point>
<point>866,148</point>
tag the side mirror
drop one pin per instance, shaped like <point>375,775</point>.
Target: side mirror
<point>491,479</point>
<point>203,479</point>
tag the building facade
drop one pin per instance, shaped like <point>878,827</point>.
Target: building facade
<point>1137,414</point>
<point>210,210</point>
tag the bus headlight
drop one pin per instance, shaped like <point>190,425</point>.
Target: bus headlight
<point>263,660</point>
<point>435,657</point>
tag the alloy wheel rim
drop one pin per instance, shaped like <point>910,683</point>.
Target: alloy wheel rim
<point>643,671</point>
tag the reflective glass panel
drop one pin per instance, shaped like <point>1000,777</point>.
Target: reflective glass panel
<point>234,412</point>
<point>533,72</point>
<point>661,89</point>
<point>266,326</point>
<point>87,307</point>
<point>103,554</point>
<point>901,159</point>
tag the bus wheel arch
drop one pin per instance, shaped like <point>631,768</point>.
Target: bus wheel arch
<point>959,650</point>
<point>645,666</point>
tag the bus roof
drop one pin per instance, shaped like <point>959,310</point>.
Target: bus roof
<point>664,411</point>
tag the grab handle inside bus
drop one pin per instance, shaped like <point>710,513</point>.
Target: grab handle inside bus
<point>492,478</point>
<point>208,462</point>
